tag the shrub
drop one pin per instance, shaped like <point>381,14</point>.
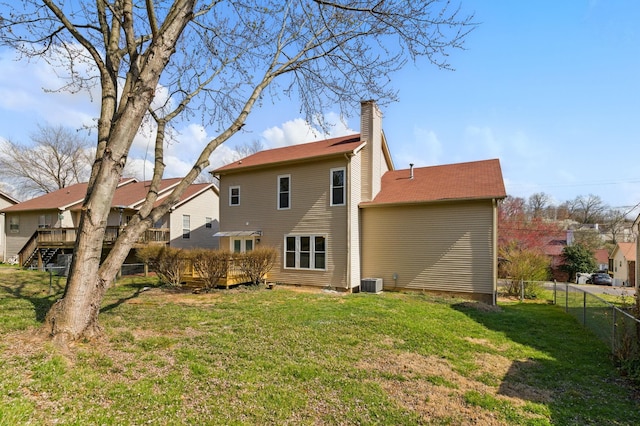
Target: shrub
<point>257,263</point>
<point>168,262</point>
<point>524,265</point>
<point>211,265</point>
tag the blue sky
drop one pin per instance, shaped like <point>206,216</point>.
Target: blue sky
<point>551,88</point>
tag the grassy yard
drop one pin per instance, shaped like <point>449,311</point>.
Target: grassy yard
<point>287,356</point>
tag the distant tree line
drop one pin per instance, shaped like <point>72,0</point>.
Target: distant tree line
<point>582,210</point>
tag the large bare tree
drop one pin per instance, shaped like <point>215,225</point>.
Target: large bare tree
<point>587,209</point>
<point>56,158</point>
<point>215,60</point>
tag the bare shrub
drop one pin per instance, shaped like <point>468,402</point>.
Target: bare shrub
<point>524,265</point>
<point>255,264</point>
<point>211,265</point>
<point>168,262</point>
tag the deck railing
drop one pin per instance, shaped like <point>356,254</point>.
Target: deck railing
<point>60,237</point>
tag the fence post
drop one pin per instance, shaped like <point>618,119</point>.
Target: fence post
<point>555,292</point>
<point>566,297</point>
<point>584,308</point>
<point>521,290</point>
<point>613,334</point>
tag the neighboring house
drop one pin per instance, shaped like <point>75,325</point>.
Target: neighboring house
<point>5,201</point>
<point>602,259</point>
<point>623,264</point>
<point>41,228</point>
<point>553,247</point>
<point>338,212</point>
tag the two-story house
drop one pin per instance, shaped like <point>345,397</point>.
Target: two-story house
<point>39,229</point>
<point>5,201</point>
<point>337,211</point>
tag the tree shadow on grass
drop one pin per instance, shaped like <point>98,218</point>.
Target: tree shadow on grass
<point>572,373</point>
<point>41,293</point>
<point>138,288</point>
<point>43,290</point>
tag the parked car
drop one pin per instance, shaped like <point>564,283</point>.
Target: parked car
<point>600,278</point>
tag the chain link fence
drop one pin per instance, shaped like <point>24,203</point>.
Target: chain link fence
<point>127,269</point>
<point>613,325</point>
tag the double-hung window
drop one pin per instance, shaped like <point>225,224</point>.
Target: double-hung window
<point>338,186</point>
<point>186,226</point>
<point>284,192</point>
<point>14,224</point>
<point>305,252</point>
<point>234,195</point>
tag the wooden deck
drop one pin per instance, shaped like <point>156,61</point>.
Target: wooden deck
<point>51,240</point>
<point>234,276</point>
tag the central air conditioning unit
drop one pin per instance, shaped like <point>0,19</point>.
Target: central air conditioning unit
<point>371,285</point>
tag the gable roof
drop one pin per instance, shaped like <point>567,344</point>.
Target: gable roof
<point>296,153</point>
<point>193,191</point>
<point>628,250</point>
<point>53,200</point>
<point>130,194</point>
<point>462,181</point>
<point>8,198</point>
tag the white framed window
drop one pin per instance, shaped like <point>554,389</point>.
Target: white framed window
<point>284,192</point>
<point>234,195</point>
<point>338,186</point>
<point>186,227</point>
<point>305,252</point>
<point>14,224</point>
<point>242,244</point>
<point>208,222</point>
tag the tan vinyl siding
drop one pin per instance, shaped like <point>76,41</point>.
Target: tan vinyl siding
<point>445,247</point>
<point>310,214</point>
<point>28,225</point>
<point>198,208</point>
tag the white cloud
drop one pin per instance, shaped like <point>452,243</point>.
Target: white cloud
<point>298,131</point>
<point>22,91</point>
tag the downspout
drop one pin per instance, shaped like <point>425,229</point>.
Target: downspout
<point>494,261</point>
<point>4,237</point>
<point>348,195</point>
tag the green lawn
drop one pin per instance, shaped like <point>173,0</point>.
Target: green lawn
<point>287,356</point>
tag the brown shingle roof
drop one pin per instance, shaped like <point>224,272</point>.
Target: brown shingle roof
<point>305,151</point>
<point>133,194</point>
<point>53,200</point>
<point>129,194</point>
<point>628,251</point>
<point>462,181</point>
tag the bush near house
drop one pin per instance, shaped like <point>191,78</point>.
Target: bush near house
<point>211,265</point>
<point>168,262</point>
<point>257,263</point>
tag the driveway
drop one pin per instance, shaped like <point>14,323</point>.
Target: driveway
<point>601,289</point>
